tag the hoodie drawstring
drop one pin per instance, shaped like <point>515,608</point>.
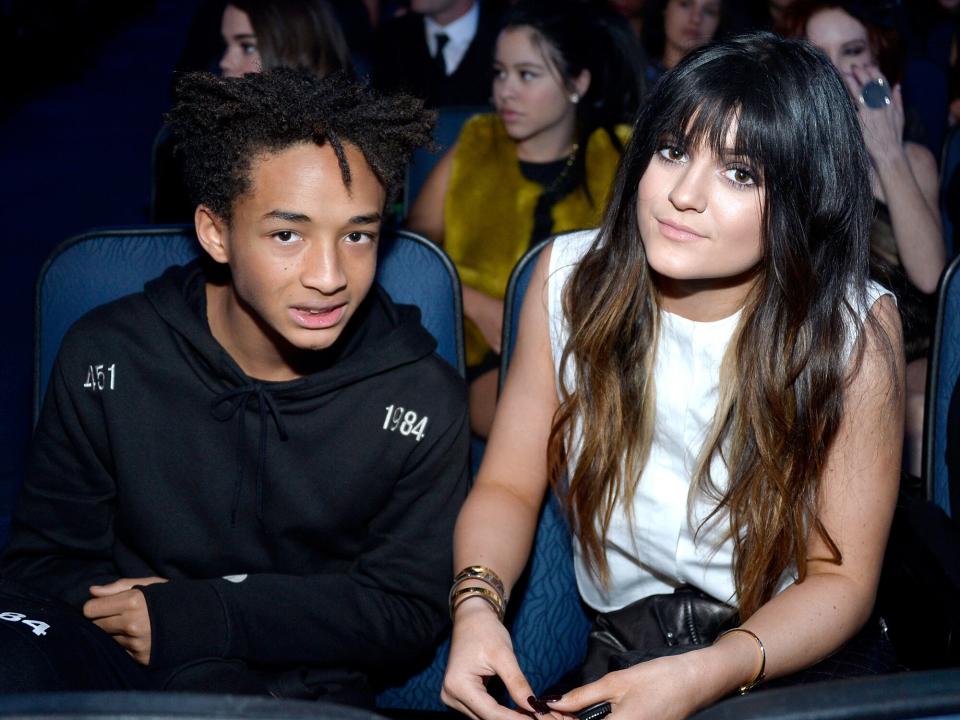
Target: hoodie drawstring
<point>233,402</point>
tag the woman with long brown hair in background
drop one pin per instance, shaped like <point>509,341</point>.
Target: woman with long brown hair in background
<point>264,34</point>
<point>714,388</point>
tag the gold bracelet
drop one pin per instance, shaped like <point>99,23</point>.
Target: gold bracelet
<point>483,574</point>
<point>761,673</point>
<point>458,597</point>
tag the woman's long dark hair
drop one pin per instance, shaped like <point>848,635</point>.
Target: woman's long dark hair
<point>783,376</point>
<point>297,33</point>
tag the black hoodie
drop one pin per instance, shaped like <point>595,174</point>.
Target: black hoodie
<point>305,526</point>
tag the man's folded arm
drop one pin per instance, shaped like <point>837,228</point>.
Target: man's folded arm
<point>390,604</point>
<point>63,526</point>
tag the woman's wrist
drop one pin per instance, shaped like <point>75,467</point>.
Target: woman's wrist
<point>891,159</point>
<point>733,662</point>
<point>472,607</point>
<point>704,677</point>
<point>478,582</point>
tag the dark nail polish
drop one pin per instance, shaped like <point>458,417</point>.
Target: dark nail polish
<point>539,706</point>
<point>551,698</point>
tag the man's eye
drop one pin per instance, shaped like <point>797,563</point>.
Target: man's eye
<point>359,237</point>
<point>286,237</point>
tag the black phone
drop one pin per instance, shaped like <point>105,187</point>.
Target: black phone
<point>595,712</point>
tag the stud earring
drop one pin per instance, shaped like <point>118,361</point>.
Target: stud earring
<point>574,98</point>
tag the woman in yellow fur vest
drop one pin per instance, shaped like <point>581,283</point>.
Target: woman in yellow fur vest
<point>566,75</point>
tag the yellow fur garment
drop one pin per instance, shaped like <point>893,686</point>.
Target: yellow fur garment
<point>489,207</point>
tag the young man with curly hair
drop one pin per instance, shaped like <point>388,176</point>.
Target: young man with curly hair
<point>237,512</point>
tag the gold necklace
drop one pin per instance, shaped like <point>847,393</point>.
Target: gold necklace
<point>557,181</point>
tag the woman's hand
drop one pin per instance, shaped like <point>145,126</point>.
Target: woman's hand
<point>487,314</point>
<point>882,127</point>
<point>481,649</point>
<point>666,688</point>
<point>906,180</point>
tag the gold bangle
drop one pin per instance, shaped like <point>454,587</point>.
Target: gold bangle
<point>483,574</point>
<point>458,597</point>
<point>761,673</point>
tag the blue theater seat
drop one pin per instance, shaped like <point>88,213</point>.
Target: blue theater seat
<point>546,620</point>
<point>942,376</point>
<point>449,122</point>
<point>96,267</point>
<point>949,164</point>
<point>549,626</point>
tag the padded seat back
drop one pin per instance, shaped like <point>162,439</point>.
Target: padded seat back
<point>548,626</point>
<point>100,266</point>
<point>943,374</point>
<point>949,166</point>
<point>449,122</point>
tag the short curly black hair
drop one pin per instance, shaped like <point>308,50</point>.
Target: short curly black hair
<point>221,124</point>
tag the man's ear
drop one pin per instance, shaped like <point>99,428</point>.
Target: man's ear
<point>212,232</point>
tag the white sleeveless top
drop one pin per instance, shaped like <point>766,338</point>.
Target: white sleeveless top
<point>659,552</point>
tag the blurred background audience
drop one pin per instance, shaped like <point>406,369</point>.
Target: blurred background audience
<point>88,81</point>
<point>906,239</point>
<point>632,10</point>
<point>255,35</point>
<point>565,78</point>
<point>440,50</point>
<point>672,28</point>
<point>264,34</point>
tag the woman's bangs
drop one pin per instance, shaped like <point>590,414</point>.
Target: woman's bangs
<point>692,116</point>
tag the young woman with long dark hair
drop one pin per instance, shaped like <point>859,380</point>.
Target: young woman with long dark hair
<point>714,388</point>
<point>264,34</point>
<point>566,77</point>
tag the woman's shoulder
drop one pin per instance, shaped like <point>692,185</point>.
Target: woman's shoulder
<point>860,305</point>
<point>873,291</point>
<point>481,139</point>
<point>567,250</point>
<point>481,127</point>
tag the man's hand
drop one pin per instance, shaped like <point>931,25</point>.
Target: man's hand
<point>120,609</point>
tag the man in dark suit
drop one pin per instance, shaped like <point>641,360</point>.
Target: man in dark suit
<point>441,51</point>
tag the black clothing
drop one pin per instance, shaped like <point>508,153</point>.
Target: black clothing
<point>558,178</point>
<point>402,61</point>
<point>305,526</point>
<point>48,646</point>
<point>917,308</point>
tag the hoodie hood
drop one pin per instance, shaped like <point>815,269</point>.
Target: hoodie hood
<point>380,337</point>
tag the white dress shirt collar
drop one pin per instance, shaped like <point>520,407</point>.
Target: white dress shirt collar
<point>460,33</point>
